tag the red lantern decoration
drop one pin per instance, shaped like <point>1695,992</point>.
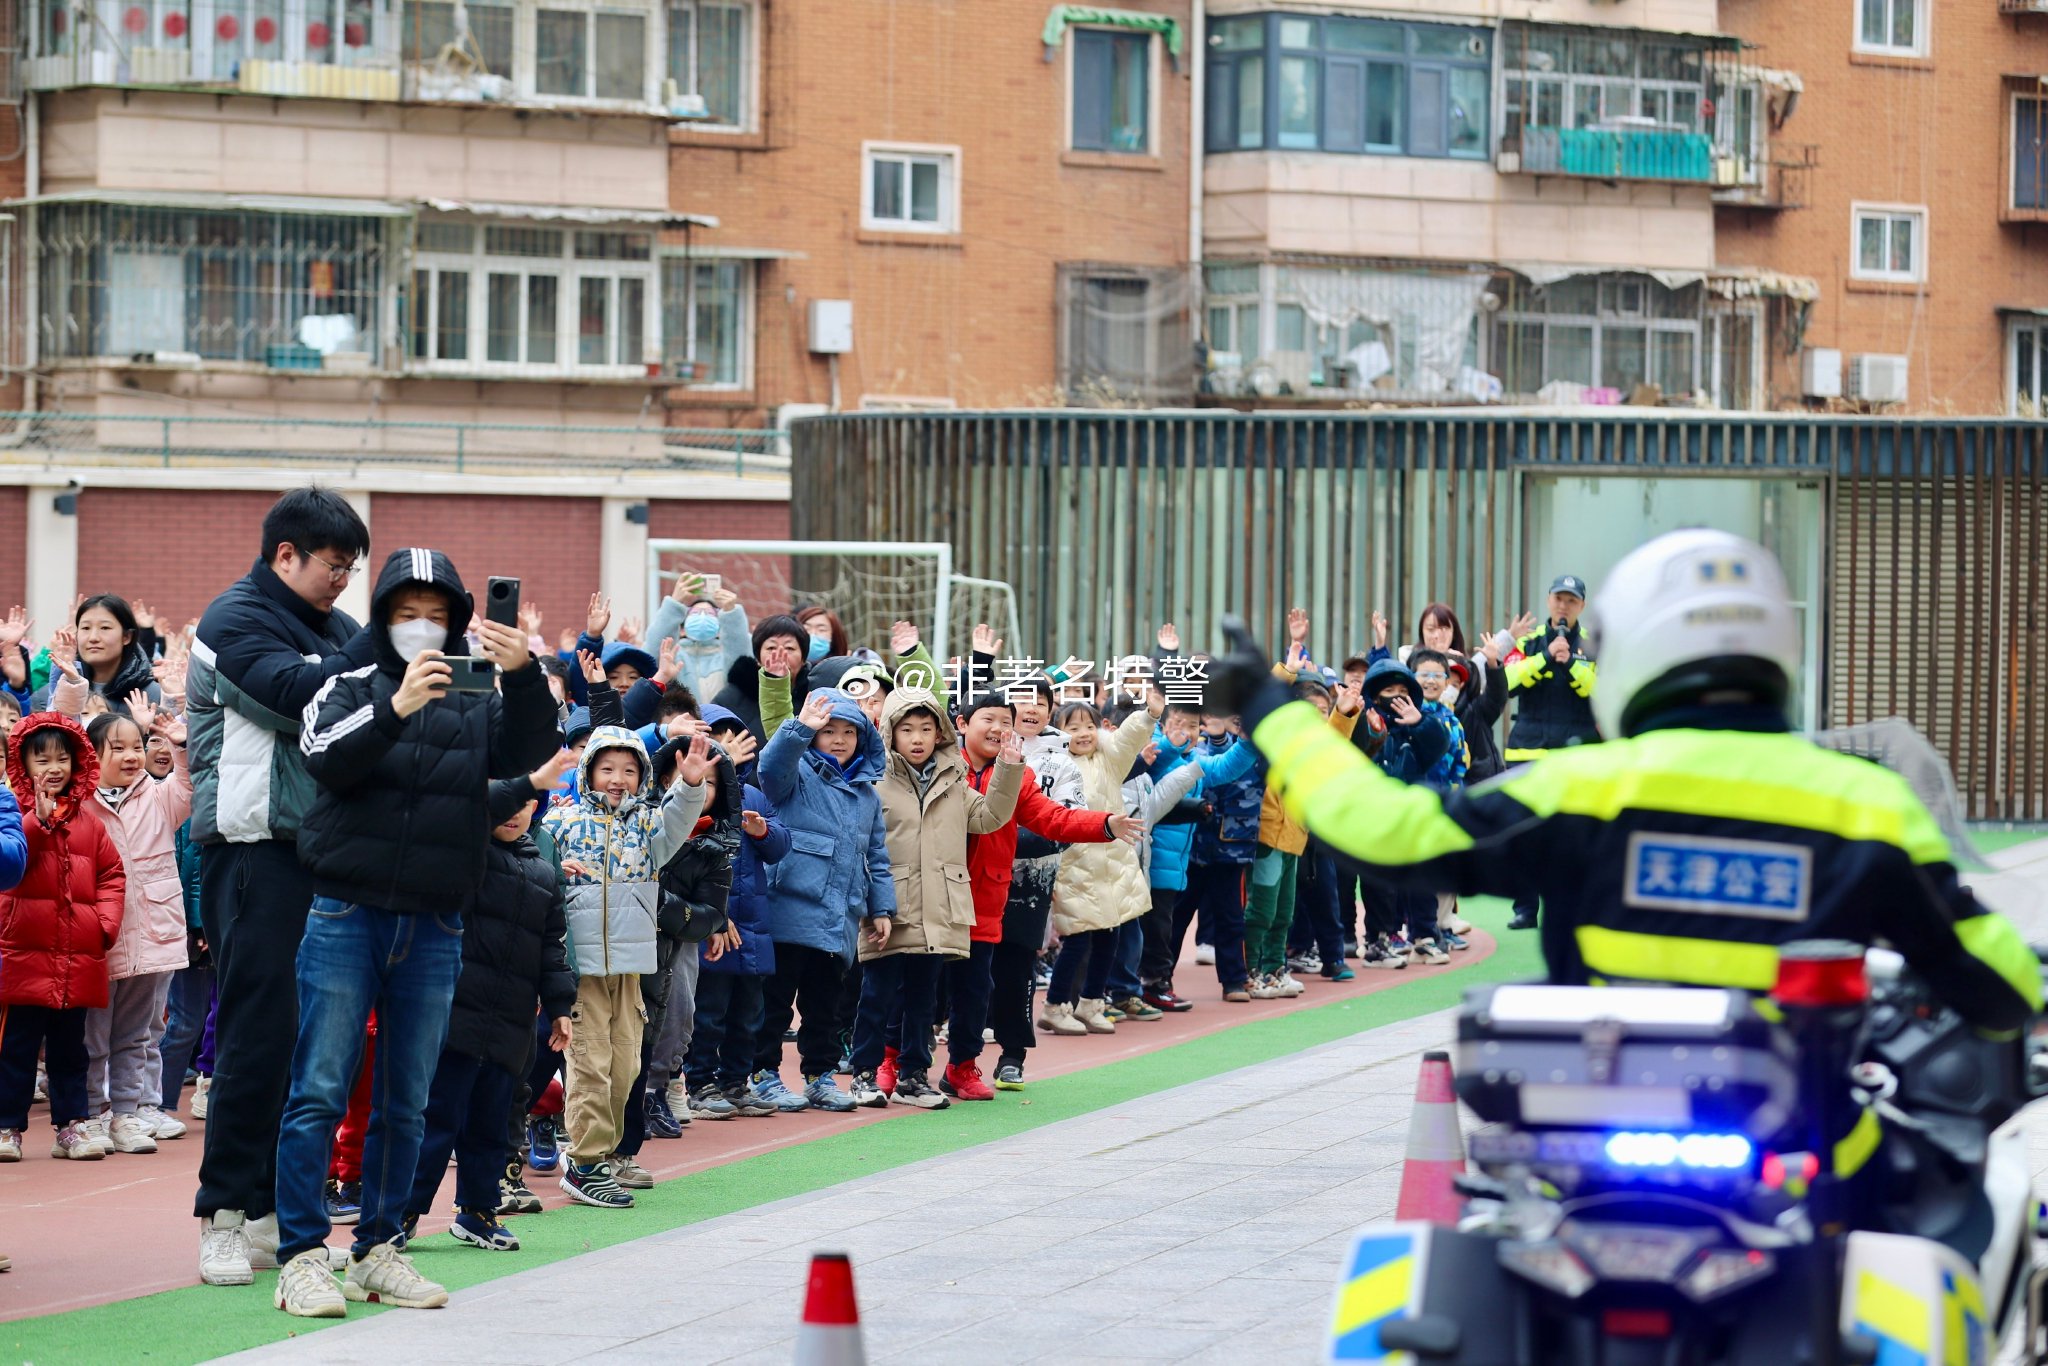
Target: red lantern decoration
<point>60,19</point>
<point>227,28</point>
<point>266,30</point>
<point>134,19</point>
<point>354,34</point>
<point>174,26</point>
<point>318,35</point>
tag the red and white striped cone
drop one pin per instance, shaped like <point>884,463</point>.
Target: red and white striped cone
<point>1436,1148</point>
<point>830,1332</point>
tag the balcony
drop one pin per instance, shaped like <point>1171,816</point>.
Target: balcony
<point>2023,6</point>
<point>1613,153</point>
<point>1774,181</point>
<point>338,49</point>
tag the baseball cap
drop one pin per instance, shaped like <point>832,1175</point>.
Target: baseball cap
<point>1569,583</point>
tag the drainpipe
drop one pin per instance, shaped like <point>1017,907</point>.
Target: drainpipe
<point>32,189</point>
<point>1198,70</point>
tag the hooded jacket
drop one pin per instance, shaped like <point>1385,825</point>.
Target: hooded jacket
<point>144,829</point>
<point>1230,832</point>
<point>13,842</point>
<point>696,884</point>
<point>837,868</point>
<point>741,694</point>
<point>1100,886</point>
<point>928,818</point>
<point>1480,703</point>
<point>402,820</point>
<point>61,918</point>
<point>747,908</point>
<point>612,907</point>
<point>1406,752</point>
<point>260,654</point>
<point>512,949</point>
<point>1029,907</point>
<point>1173,845</point>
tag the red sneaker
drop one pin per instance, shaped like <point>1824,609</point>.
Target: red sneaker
<point>1164,999</point>
<point>885,1075</point>
<point>962,1081</point>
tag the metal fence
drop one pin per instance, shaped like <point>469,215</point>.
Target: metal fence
<point>1928,534</point>
<point>175,441</point>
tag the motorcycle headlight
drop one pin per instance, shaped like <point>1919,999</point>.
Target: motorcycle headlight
<point>1723,1270</point>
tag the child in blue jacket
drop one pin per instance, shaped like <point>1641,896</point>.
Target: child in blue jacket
<point>1176,736</point>
<point>1408,741</point>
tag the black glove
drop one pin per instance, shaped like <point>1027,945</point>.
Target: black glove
<point>1241,680</point>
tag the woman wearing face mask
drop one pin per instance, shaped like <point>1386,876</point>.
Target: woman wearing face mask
<point>110,653</point>
<point>710,630</point>
<point>778,650</point>
<point>827,634</point>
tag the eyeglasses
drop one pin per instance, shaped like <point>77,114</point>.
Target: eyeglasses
<point>1431,677</point>
<point>336,573</point>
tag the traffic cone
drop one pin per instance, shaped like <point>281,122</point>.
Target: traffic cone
<point>1436,1148</point>
<point>830,1332</point>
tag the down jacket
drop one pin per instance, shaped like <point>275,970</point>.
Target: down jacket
<point>13,843</point>
<point>1173,845</point>
<point>402,819</point>
<point>1028,910</point>
<point>747,908</point>
<point>837,870</point>
<point>1100,886</point>
<point>1277,829</point>
<point>928,825</point>
<point>1230,832</point>
<point>696,884</point>
<point>512,950</point>
<point>991,859</point>
<point>611,906</point>
<point>61,918</point>
<point>144,828</point>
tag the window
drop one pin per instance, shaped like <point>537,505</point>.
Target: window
<point>1124,335</point>
<point>591,54</point>
<point>1349,85</point>
<point>1112,83</point>
<point>2027,367</point>
<point>1897,26</point>
<point>551,51</point>
<point>429,30</point>
<point>910,189</point>
<point>1603,332</point>
<point>2029,152</point>
<point>710,55</point>
<point>497,295</point>
<point>1582,78</point>
<point>1888,243</point>
<point>168,41</point>
<point>707,321</point>
<point>263,289</point>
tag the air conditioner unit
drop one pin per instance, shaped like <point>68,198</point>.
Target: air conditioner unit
<point>1820,373</point>
<point>1877,379</point>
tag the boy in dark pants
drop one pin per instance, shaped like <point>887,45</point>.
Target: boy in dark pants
<point>512,954</point>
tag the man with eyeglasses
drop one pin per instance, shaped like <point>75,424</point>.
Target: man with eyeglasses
<point>263,649</point>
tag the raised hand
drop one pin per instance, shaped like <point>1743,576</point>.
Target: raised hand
<point>1521,627</point>
<point>817,711</point>
<point>755,824</point>
<point>529,619</point>
<point>986,641</point>
<point>139,710</point>
<point>505,646</point>
<point>1169,637</point>
<point>1297,625</point>
<point>689,587</point>
<point>665,672</point>
<point>549,775</point>
<point>1403,707</point>
<point>565,642</point>
<point>697,761</point>
<point>591,664</point>
<point>599,616</point>
<point>171,727</point>
<point>903,638</point>
<point>1381,629</point>
<point>1350,698</point>
<point>741,748</point>
<point>1011,752</point>
<point>629,630</point>
<point>145,616</point>
<point>724,599</point>
<point>1155,701</point>
<point>14,628</point>
<point>1297,657</point>
<point>64,649</point>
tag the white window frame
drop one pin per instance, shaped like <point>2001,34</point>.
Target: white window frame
<point>570,271</point>
<point>526,47</point>
<point>1152,77</point>
<point>1922,15</point>
<point>1859,211</point>
<point>948,158</point>
<point>2038,398</point>
<point>750,72</point>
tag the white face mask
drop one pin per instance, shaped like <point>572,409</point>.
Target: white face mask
<point>1449,697</point>
<point>413,638</point>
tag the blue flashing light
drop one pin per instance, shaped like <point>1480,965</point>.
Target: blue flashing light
<point>1702,1152</point>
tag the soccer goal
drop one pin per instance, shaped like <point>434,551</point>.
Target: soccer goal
<point>869,584</point>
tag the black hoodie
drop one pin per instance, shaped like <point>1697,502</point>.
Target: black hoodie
<point>402,818</point>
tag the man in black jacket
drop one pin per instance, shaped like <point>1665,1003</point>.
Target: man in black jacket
<point>396,844</point>
<point>1552,684</point>
<point>262,650</point>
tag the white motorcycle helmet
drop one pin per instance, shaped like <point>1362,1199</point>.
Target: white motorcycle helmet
<point>1688,616</point>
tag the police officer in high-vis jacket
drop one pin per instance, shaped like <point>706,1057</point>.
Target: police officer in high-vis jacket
<point>1551,679</point>
<point>1699,837</point>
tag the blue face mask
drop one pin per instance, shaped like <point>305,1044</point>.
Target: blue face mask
<point>819,644</point>
<point>701,627</point>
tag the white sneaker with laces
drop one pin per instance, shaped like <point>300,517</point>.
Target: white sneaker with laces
<point>97,1133</point>
<point>224,1250</point>
<point>161,1125</point>
<point>199,1096</point>
<point>130,1134</point>
<point>630,1174</point>
<point>261,1237</point>
<point>1291,986</point>
<point>1205,954</point>
<point>76,1143</point>
<point>384,1275</point>
<point>306,1287</point>
<point>10,1145</point>
<point>1431,952</point>
<point>1457,924</point>
<point>1263,987</point>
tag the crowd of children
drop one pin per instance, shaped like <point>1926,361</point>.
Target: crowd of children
<point>619,900</point>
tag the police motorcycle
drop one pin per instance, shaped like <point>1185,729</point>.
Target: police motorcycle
<point>1689,1177</point>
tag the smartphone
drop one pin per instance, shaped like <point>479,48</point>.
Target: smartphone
<point>712,582</point>
<point>501,602</point>
<point>472,673</point>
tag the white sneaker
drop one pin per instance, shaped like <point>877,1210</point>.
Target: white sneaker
<point>1457,924</point>
<point>10,1145</point>
<point>199,1090</point>
<point>386,1276</point>
<point>224,1250</point>
<point>306,1288</point>
<point>1205,954</point>
<point>679,1100</point>
<point>130,1134</point>
<point>1431,952</point>
<point>630,1174</point>
<point>42,1085</point>
<point>1290,986</point>
<point>97,1133</point>
<point>1264,988</point>
<point>76,1142</point>
<point>161,1125</point>
<point>261,1237</point>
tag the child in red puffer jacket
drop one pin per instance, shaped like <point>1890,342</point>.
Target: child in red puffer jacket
<point>56,927</point>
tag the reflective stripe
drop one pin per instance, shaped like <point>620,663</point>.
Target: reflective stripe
<point>1780,779</point>
<point>1584,672</point>
<point>1855,1147</point>
<point>1526,671</point>
<point>1327,785</point>
<point>1996,942</point>
<point>1671,958</point>
<point>1523,756</point>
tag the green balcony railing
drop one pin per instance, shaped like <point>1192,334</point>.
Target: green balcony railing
<point>1618,154</point>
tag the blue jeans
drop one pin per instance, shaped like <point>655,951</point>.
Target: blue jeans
<point>354,958</point>
<point>1082,969</point>
<point>191,998</point>
<point>1130,948</point>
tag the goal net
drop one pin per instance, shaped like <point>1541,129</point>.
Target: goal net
<point>869,584</point>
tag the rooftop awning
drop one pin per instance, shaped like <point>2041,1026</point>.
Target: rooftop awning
<point>698,251</point>
<point>329,205</point>
<point>1549,273</point>
<point>1064,16</point>
<point>558,213</point>
<point>1754,282</point>
<point>2023,310</point>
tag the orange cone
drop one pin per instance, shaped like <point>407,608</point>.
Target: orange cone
<point>1436,1148</point>
<point>830,1332</point>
